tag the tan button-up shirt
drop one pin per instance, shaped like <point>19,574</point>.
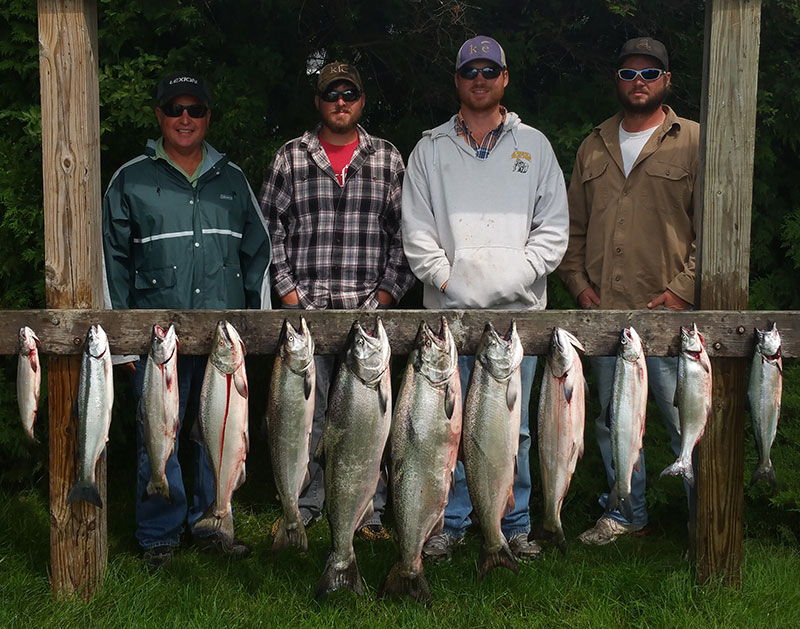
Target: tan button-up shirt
<point>632,238</point>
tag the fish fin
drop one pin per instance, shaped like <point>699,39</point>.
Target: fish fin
<point>240,383</point>
<point>509,502</point>
<point>333,579</point>
<point>512,393</point>
<point>638,465</point>
<point>679,468</point>
<point>449,402</point>
<point>568,390</point>
<point>291,536</point>
<point>365,517</point>
<point>306,480</point>
<point>241,479</point>
<point>621,504</point>
<point>557,538</point>
<point>764,473</point>
<point>211,524</point>
<point>307,386</point>
<point>84,490</point>
<point>438,527</point>
<point>383,396</point>
<point>503,557</point>
<point>398,583</point>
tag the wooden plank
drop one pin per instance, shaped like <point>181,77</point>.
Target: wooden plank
<point>727,142</point>
<point>71,179</point>
<point>727,333</point>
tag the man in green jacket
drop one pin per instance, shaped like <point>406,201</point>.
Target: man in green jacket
<point>181,230</point>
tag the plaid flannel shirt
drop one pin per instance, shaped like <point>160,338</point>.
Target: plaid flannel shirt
<point>336,245</point>
<point>483,149</point>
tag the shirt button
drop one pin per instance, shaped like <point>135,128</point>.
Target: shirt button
<point>622,221</point>
<point>154,282</point>
<point>197,244</point>
<point>618,278</point>
<point>197,291</point>
<point>619,249</point>
<point>191,202</point>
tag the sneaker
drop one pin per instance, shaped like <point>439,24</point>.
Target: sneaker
<point>606,530</point>
<point>157,557</point>
<point>440,547</point>
<point>523,548</point>
<point>218,545</point>
<point>308,520</point>
<point>373,533</point>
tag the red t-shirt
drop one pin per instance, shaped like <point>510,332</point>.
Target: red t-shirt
<point>339,157</point>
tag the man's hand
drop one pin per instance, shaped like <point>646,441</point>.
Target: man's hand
<point>291,299</point>
<point>384,298</point>
<point>669,300</point>
<point>588,298</point>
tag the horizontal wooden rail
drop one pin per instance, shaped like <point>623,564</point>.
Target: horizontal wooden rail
<point>727,333</point>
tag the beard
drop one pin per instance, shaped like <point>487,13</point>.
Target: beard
<point>648,106</point>
<point>339,126</point>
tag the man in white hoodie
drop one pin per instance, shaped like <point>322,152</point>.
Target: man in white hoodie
<point>484,222</point>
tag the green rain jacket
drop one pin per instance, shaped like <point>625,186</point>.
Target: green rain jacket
<point>168,244</point>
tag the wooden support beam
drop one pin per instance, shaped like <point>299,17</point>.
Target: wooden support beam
<point>726,180</point>
<point>727,333</point>
<point>71,178</point>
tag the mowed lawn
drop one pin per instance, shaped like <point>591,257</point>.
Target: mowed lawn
<point>640,582</point>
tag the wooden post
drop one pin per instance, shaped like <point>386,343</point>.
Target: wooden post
<point>726,180</point>
<point>71,167</point>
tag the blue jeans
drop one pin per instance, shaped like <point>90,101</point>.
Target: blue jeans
<point>312,497</point>
<point>459,507</point>
<point>159,522</point>
<point>662,376</point>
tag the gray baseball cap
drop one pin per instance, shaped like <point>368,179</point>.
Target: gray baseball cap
<point>645,46</point>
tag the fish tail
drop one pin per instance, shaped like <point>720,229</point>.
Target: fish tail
<point>400,583</point>
<point>490,560</point>
<point>85,490</point>
<point>557,538</point>
<point>680,468</point>
<point>212,524</point>
<point>764,472</point>
<point>291,536</point>
<point>158,488</point>
<point>333,579</point>
<point>621,503</point>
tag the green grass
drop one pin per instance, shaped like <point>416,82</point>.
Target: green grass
<point>641,582</point>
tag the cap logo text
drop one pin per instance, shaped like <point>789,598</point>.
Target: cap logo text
<point>183,79</point>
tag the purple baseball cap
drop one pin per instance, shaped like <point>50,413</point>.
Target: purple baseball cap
<point>480,47</point>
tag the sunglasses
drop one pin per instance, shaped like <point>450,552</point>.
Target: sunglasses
<point>332,96</point>
<point>648,74</point>
<point>174,110</point>
<point>489,72</point>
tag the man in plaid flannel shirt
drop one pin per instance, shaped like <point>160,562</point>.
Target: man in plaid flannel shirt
<point>332,201</point>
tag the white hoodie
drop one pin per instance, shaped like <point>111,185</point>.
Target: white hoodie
<point>492,229</point>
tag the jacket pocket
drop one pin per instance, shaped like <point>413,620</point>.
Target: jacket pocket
<point>597,194</point>
<point>489,277</point>
<point>155,279</point>
<point>673,184</point>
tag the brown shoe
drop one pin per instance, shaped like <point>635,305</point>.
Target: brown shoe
<point>607,530</point>
<point>373,533</point>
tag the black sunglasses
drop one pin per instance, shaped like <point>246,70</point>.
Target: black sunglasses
<point>489,72</point>
<point>648,74</point>
<point>174,110</point>
<point>331,96</point>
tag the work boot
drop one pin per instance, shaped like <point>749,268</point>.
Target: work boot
<point>157,557</point>
<point>439,548</point>
<point>607,530</point>
<point>524,549</point>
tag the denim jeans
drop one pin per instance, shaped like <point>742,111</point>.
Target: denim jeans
<point>662,376</point>
<point>159,522</point>
<point>459,507</point>
<point>312,497</point>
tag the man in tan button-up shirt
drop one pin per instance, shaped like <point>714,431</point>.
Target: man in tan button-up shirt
<point>632,236</point>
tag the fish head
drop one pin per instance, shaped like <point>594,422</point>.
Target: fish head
<point>96,341</point>
<point>28,341</point>
<point>296,346</point>
<point>367,353</point>
<point>630,345</point>
<point>500,355</point>
<point>227,352</point>
<point>769,341</point>
<point>437,357</point>
<point>562,355</point>
<point>692,342</point>
<point>163,344</point>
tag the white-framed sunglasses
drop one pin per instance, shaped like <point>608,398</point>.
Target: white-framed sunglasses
<point>648,74</point>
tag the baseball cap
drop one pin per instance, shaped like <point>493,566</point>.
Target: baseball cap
<point>179,83</point>
<point>338,71</point>
<point>480,47</point>
<point>645,46</point>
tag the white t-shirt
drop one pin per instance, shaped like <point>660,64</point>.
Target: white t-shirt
<point>632,144</point>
